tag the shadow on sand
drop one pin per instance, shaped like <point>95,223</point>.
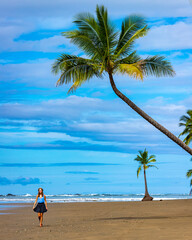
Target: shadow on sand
<point>142,218</point>
<point>132,218</point>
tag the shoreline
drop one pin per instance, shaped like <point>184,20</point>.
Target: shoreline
<point>167,219</point>
<point>28,204</point>
<point>28,198</point>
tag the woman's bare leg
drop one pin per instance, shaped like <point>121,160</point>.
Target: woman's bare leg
<point>41,220</point>
<point>39,216</point>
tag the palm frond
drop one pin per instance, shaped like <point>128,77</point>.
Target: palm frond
<point>152,166</point>
<point>75,85</point>
<point>157,66</point>
<point>144,159</point>
<point>182,124</point>
<point>85,43</point>
<point>152,160</point>
<point>185,131</point>
<point>125,48</point>
<point>129,28</point>
<point>86,40</point>
<point>138,159</point>
<point>141,153</point>
<point>87,24</point>
<point>75,69</point>
<point>132,57</point>
<point>133,70</point>
<point>187,123</point>
<point>130,65</point>
<point>65,60</point>
<point>107,30</point>
<point>151,157</point>
<point>189,112</point>
<point>184,118</point>
<point>189,173</point>
<point>145,154</point>
<point>138,170</point>
<point>188,138</point>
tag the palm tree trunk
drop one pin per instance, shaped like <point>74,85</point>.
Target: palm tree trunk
<point>147,197</point>
<point>147,117</point>
<point>146,189</point>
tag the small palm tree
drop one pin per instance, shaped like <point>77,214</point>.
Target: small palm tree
<point>111,51</point>
<point>145,162</point>
<point>186,120</point>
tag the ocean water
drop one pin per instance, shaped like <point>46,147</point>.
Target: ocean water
<point>93,197</point>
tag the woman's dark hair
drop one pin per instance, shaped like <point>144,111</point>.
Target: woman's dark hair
<point>39,192</point>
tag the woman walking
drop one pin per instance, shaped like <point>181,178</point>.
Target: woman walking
<point>41,205</point>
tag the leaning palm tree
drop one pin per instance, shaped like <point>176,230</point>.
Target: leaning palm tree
<point>186,120</point>
<point>111,51</point>
<point>145,162</point>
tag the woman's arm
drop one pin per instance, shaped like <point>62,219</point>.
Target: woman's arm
<point>45,201</point>
<point>35,201</point>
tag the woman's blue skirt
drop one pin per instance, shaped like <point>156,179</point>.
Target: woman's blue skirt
<point>40,208</point>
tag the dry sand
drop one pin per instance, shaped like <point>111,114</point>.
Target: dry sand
<point>170,219</point>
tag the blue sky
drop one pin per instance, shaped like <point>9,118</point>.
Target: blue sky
<point>87,142</point>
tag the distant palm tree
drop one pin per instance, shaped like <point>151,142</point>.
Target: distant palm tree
<point>111,51</point>
<point>189,174</point>
<point>187,122</point>
<point>144,161</point>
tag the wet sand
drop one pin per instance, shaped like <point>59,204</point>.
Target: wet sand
<point>168,219</point>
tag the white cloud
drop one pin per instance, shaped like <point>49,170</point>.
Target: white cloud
<point>60,8</point>
<point>161,107</point>
<point>52,44</point>
<point>168,37</point>
<point>75,119</point>
<point>92,114</point>
<point>168,109</point>
<point>34,137</point>
<point>187,102</point>
<point>54,23</point>
<point>67,108</point>
<point>12,29</point>
<point>33,73</point>
<point>56,43</point>
<point>184,69</point>
<point>28,16</point>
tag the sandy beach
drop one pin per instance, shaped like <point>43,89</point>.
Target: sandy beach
<point>168,219</point>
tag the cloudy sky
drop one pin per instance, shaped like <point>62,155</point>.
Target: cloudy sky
<point>87,142</point>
